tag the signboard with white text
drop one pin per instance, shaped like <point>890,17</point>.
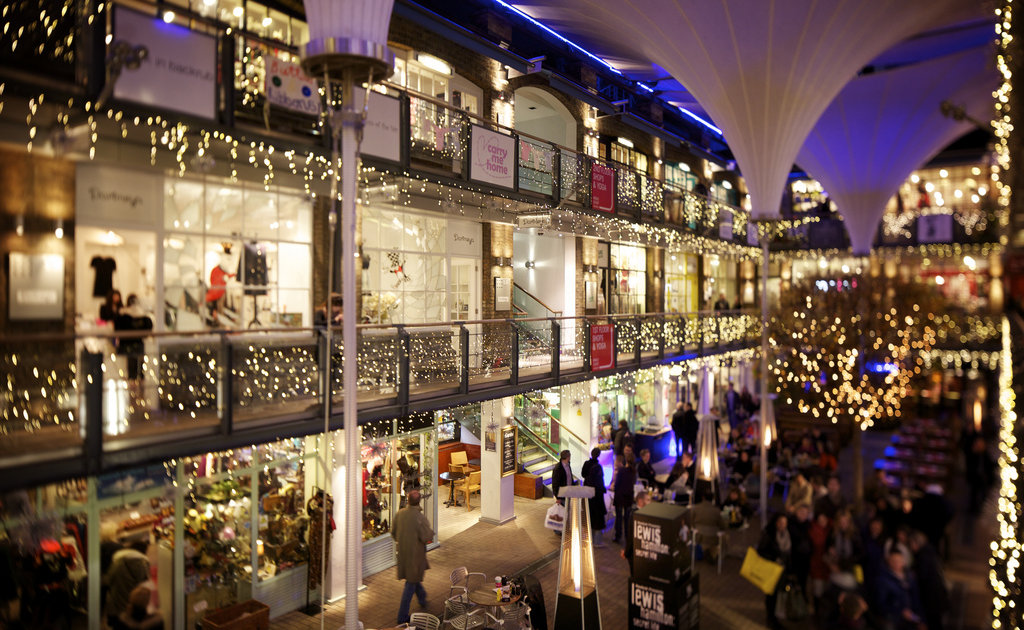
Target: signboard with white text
<point>382,132</point>
<point>602,347</point>
<point>179,70</point>
<point>493,159</point>
<point>288,86</point>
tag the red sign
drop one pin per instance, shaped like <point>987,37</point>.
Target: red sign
<point>602,347</point>
<point>602,188</point>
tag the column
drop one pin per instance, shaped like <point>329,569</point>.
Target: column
<point>340,556</point>
<point>578,417</point>
<point>660,376</point>
<point>497,493</point>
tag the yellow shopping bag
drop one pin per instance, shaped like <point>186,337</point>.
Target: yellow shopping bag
<point>762,573</point>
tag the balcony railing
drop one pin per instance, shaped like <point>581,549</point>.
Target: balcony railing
<point>73,405</point>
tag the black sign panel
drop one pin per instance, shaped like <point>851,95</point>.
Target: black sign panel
<point>508,451</point>
<point>654,606</point>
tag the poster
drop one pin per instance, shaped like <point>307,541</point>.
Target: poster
<point>179,70</point>
<point>508,450</point>
<point>382,131</point>
<point>36,288</point>
<point>602,188</point>
<point>491,440</point>
<point>602,347</point>
<point>287,86</point>
<point>503,294</point>
<point>590,294</point>
<point>493,158</point>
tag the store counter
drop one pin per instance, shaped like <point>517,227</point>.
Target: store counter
<point>658,442</point>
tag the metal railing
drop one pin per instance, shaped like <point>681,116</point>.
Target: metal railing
<point>74,405</point>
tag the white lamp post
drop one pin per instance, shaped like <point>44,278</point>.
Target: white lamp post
<point>348,45</point>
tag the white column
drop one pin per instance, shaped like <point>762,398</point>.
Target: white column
<point>497,493</point>
<point>335,580</point>
<point>578,421</point>
<point>660,377</point>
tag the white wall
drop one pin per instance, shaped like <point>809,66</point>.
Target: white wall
<point>554,271</point>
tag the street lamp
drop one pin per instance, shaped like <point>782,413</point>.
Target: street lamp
<point>348,45</point>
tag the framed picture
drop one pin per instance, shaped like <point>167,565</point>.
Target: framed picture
<point>503,294</point>
<point>509,444</point>
<point>490,440</point>
<point>36,287</point>
<point>590,295</point>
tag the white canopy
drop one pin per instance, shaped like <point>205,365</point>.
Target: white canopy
<point>884,125</point>
<point>764,70</point>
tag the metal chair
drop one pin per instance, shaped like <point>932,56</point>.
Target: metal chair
<point>516,615</point>
<point>424,621</point>
<point>457,615</point>
<point>460,581</point>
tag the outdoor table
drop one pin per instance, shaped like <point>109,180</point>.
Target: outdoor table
<point>485,596</point>
<point>451,477</point>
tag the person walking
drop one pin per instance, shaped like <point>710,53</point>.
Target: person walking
<point>679,428</point>
<point>593,476</point>
<point>776,545</point>
<point>411,531</point>
<point>691,426</point>
<point>561,474</point>
<point>622,489</point>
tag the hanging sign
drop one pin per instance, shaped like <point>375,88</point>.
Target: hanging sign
<point>382,130</point>
<point>464,238</point>
<point>288,86</point>
<point>935,228</point>
<point>725,225</point>
<point>508,451</point>
<point>602,188</point>
<point>602,347</point>
<point>179,70</point>
<point>493,159</point>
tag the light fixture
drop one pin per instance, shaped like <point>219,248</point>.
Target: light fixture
<point>846,268</point>
<point>970,263</point>
<point>434,63</point>
<point>914,178</point>
<point>19,225</point>
<point>59,232</point>
<point>684,166</point>
<point>267,21</point>
<point>659,274</point>
<point>943,173</point>
<point>238,12</point>
<point>726,184</point>
<point>939,280</point>
<point>168,16</point>
<point>822,263</point>
<point>576,604</point>
<point>676,370</point>
<point>530,264</point>
<point>626,142</point>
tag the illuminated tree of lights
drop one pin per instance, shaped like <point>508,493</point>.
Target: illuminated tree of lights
<point>847,348</point>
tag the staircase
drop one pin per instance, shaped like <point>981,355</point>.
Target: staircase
<point>537,453</point>
<point>538,462</point>
<point>534,336</point>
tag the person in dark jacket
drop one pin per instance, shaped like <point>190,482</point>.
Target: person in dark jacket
<point>593,476</point>
<point>130,568</point>
<point>411,531</point>
<point>930,580</point>
<point>800,534</point>
<point>644,470</point>
<point>561,475</point>
<point>776,545</point>
<point>691,425</point>
<point>622,497</point>
<point>899,606</point>
<point>679,427</point>
<point>622,438</point>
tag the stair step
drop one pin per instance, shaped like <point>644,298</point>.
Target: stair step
<point>533,461</point>
<point>543,469</point>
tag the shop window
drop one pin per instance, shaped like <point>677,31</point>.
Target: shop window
<point>679,176</point>
<point>627,279</point>
<point>627,155</point>
<point>225,249</point>
<point>391,469</point>
<point>407,277</point>
<point>681,283</point>
<point>720,275</point>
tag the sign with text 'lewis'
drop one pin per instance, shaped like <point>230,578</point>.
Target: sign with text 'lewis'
<point>179,71</point>
<point>493,159</point>
<point>602,347</point>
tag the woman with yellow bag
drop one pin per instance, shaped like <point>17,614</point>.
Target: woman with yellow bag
<point>776,546</point>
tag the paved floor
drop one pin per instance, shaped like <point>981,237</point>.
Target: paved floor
<point>727,600</point>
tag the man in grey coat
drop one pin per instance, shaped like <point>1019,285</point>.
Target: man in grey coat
<point>412,532</point>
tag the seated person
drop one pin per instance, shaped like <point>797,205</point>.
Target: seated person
<point>644,470</point>
<point>742,468</point>
<point>736,508</point>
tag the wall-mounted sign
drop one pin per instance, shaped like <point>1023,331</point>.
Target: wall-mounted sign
<point>752,237</point>
<point>602,347</point>
<point>603,254</point>
<point>288,86</point>
<point>382,133</point>
<point>493,158</point>
<point>725,225</point>
<point>590,295</point>
<point>509,444</point>
<point>602,188</point>
<point>935,228</point>
<point>105,195</point>
<point>180,68</point>
<point>534,220</point>
<point>464,238</point>
<point>503,294</point>
<point>36,288</point>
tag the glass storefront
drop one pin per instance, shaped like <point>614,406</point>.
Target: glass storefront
<point>681,283</point>
<point>627,275</point>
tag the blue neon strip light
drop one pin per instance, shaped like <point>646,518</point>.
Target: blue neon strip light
<point>604,63</point>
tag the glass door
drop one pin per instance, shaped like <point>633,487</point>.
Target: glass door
<point>464,301</point>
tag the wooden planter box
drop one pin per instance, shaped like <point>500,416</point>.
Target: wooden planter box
<point>250,615</point>
<point>529,486</point>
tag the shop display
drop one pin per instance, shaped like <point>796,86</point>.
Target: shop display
<point>104,282</point>
<point>283,522</point>
<point>319,507</point>
<point>376,490</point>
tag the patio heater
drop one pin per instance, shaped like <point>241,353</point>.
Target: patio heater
<point>576,602</point>
<point>347,46</point>
<point>707,454</point>
<point>769,433</point>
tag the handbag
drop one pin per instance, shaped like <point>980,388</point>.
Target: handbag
<point>555,517</point>
<point>790,603</point>
<point>761,572</point>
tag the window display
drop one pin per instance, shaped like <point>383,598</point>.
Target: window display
<point>225,248</point>
<point>681,283</point>
<point>391,469</point>
<point>627,293</point>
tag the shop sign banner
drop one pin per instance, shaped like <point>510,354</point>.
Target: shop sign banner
<point>664,607</point>
<point>493,159</point>
<point>288,86</point>
<point>602,347</point>
<point>179,71</point>
<point>36,287</point>
<point>935,228</point>
<point>602,188</point>
<point>464,238</point>
<point>383,130</point>
<point>106,196</point>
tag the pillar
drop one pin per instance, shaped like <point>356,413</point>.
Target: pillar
<point>497,493</point>
<point>335,580</point>
<point>579,417</point>
<point>660,391</point>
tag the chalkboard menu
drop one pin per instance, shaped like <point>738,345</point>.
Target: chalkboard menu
<point>508,451</point>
